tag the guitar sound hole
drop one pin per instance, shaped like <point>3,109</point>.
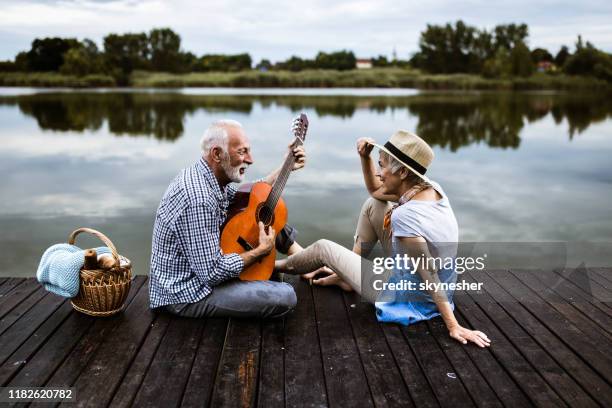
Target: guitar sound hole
<point>265,215</point>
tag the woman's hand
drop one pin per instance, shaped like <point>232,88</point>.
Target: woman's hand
<point>463,335</point>
<point>365,146</point>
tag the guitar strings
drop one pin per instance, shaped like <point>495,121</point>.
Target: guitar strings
<point>281,180</point>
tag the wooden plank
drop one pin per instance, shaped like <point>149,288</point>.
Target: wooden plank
<point>203,372</point>
<point>508,392</point>
<point>67,373</point>
<point>595,276</point>
<point>344,375</point>
<point>581,279</point>
<point>473,381</point>
<point>45,361</point>
<point>383,375</point>
<point>21,355</point>
<point>16,293</point>
<point>482,316</point>
<point>605,273</point>
<point>168,373</point>
<point>601,337</point>
<point>8,285</point>
<point>271,389</point>
<point>535,340</point>
<point>124,397</point>
<point>115,354</point>
<point>236,382</point>
<point>447,387</point>
<point>28,323</point>
<point>573,337</point>
<point>413,376</point>
<point>304,376</point>
<point>596,311</point>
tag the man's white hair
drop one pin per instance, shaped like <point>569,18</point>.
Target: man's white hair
<point>216,135</point>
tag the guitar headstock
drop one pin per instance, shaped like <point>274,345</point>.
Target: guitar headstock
<point>299,127</point>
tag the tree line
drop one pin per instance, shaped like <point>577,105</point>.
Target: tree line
<point>443,49</point>
<point>502,52</point>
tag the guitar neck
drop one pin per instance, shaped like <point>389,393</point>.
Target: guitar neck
<point>283,176</point>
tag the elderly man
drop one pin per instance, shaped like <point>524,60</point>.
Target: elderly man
<point>190,275</point>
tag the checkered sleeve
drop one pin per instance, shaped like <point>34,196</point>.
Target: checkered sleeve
<point>230,191</point>
<point>198,234</point>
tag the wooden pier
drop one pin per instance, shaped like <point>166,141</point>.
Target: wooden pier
<point>551,339</point>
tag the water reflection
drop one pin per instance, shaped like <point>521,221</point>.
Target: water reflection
<point>446,120</point>
<point>512,164</point>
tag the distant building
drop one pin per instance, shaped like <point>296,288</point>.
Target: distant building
<point>546,66</point>
<point>364,63</point>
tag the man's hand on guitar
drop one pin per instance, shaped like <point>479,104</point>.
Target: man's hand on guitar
<point>266,244</point>
<point>300,156</point>
<point>266,239</point>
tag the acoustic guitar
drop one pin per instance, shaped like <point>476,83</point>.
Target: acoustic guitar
<point>260,202</point>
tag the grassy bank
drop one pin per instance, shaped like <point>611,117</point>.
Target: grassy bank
<point>53,80</point>
<point>373,78</point>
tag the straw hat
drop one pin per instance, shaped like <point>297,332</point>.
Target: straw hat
<point>410,150</point>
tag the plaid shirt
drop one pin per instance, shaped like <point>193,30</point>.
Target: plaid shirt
<point>186,259</point>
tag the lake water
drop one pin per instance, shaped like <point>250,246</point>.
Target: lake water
<point>516,166</point>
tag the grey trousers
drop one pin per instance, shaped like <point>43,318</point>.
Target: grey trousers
<point>236,298</point>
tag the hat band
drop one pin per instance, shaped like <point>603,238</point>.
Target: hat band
<point>405,158</point>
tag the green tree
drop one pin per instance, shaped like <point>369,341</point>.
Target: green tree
<point>340,60</point>
<point>562,56</point>
<point>164,45</point>
<point>509,35</point>
<point>263,65</point>
<point>450,49</point>
<point>21,61</point>
<point>295,64</point>
<point>541,55</point>
<point>588,60</point>
<point>446,49</point>
<point>224,63</point>
<point>83,59</point>
<point>520,60</point>
<point>188,62</point>
<point>380,61</point>
<point>7,66</point>
<point>497,66</point>
<point>124,53</point>
<point>47,54</point>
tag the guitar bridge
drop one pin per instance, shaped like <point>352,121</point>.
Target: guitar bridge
<point>244,244</point>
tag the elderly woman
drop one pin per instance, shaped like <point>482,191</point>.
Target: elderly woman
<point>421,224</point>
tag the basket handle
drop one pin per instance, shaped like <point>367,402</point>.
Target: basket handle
<point>103,238</point>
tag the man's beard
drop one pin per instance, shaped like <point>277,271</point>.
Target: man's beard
<point>233,173</point>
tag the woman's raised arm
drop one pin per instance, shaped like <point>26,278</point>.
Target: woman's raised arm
<point>373,184</point>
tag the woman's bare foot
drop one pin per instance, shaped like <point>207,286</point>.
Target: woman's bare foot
<point>330,278</point>
<point>322,270</point>
<point>333,279</point>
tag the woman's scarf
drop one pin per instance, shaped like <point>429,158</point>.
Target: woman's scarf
<point>407,196</point>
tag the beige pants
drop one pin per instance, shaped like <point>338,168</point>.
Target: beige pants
<point>346,263</point>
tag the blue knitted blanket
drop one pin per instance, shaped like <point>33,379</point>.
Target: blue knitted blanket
<point>60,266</point>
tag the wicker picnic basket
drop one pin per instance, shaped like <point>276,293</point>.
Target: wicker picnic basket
<point>102,292</point>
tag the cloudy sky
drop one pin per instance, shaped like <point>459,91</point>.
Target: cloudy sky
<point>279,29</point>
